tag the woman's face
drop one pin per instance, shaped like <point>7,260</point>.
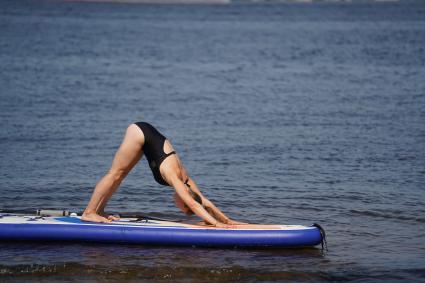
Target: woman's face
<point>181,205</point>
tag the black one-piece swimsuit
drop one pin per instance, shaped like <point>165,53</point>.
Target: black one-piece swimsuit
<point>154,150</point>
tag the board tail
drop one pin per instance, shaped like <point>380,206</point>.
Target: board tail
<point>65,212</point>
<point>38,212</point>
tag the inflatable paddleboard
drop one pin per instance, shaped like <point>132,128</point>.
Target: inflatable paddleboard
<point>153,232</point>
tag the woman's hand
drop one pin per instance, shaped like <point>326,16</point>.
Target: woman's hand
<point>233,222</point>
<point>225,226</point>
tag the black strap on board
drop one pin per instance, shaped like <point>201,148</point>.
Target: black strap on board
<point>323,234</point>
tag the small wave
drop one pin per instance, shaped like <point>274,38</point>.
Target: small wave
<point>387,215</point>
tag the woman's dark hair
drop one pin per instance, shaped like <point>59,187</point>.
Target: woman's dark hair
<point>196,197</point>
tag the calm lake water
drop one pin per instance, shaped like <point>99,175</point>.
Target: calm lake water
<point>287,114</point>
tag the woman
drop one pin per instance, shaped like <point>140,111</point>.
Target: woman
<point>167,170</point>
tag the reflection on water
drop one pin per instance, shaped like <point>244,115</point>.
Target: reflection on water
<point>93,262</point>
<point>133,261</point>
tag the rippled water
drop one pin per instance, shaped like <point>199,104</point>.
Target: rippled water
<point>282,113</point>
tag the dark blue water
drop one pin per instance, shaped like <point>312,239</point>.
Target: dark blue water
<point>287,114</point>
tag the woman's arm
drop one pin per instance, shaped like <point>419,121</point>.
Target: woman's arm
<point>197,208</point>
<point>210,207</point>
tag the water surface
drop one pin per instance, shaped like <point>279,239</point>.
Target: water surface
<point>287,114</point>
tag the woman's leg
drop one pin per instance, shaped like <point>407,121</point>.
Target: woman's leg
<point>126,157</point>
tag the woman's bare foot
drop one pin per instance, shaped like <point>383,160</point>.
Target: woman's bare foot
<point>109,217</point>
<point>114,217</point>
<point>93,217</point>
